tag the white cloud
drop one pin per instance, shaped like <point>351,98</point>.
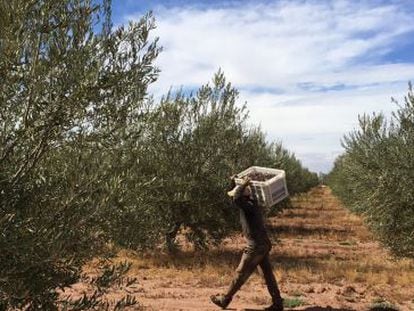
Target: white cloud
<point>312,124</point>
<point>294,50</point>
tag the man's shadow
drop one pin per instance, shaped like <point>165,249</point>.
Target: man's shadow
<point>308,309</point>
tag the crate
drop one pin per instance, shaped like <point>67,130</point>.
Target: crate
<point>268,192</point>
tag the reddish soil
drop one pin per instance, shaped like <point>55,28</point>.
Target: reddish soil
<point>324,259</point>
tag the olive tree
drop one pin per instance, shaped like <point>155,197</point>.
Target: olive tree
<point>195,143</point>
<point>375,175</point>
<point>71,101</point>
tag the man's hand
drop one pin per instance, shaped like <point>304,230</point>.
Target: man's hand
<point>232,183</point>
<point>246,181</point>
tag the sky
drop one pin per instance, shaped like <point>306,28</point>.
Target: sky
<point>306,69</point>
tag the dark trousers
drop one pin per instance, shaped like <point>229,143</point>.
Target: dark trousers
<point>251,259</point>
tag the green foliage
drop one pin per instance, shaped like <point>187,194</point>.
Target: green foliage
<point>195,144</point>
<point>70,99</point>
<point>383,306</point>
<point>293,302</point>
<point>375,176</point>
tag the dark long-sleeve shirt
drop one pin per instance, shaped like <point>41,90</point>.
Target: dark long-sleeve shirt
<point>251,219</point>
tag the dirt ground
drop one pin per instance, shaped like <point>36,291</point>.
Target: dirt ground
<point>323,256</point>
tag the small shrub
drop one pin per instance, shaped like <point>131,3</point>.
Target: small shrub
<point>383,306</point>
<point>293,302</point>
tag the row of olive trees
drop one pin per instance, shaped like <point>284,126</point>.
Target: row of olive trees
<point>88,159</point>
<point>71,102</point>
<point>192,144</point>
<point>375,175</point>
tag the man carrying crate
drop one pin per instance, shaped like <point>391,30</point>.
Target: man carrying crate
<point>257,250</point>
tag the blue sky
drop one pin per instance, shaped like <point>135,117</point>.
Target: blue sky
<point>305,68</point>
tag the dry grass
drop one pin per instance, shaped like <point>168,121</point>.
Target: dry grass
<point>334,244</point>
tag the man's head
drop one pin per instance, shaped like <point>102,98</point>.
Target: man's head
<point>232,192</point>
<point>247,192</point>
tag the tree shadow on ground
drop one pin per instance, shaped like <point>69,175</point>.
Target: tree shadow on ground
<point>301,231</point>
<point>309,309</point>
<point>231,258</point>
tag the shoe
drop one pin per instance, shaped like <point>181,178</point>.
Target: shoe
<point>220,300</point>
<point>276,306</point>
